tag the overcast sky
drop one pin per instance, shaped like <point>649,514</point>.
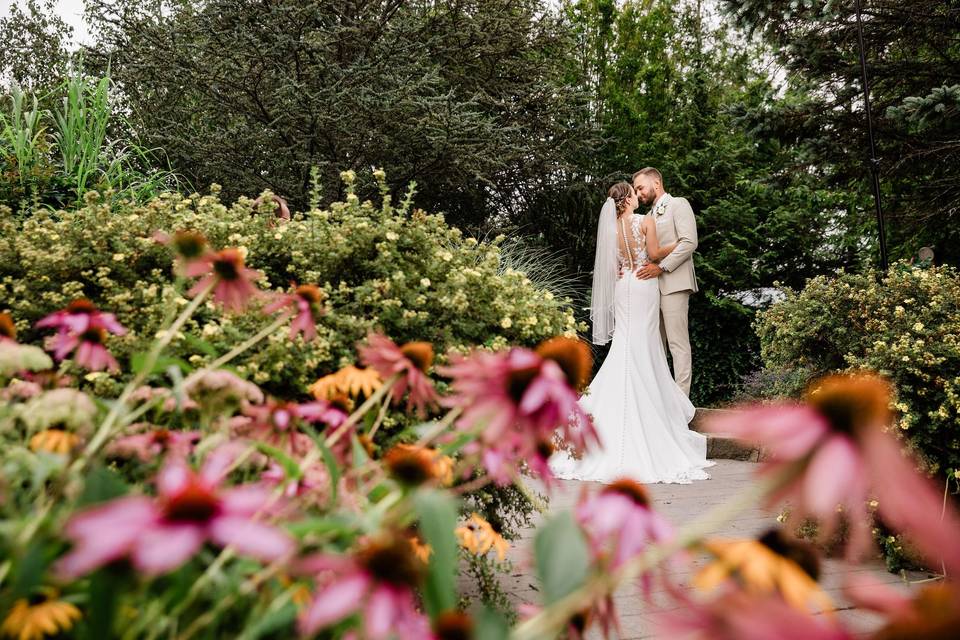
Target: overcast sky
<point>71,10</point>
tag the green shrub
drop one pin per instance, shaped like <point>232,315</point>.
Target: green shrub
<point>905,326</point>
<point>400,270</point>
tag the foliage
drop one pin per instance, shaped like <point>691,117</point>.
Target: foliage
<point>52,157</point>
<point>465,98</point>
<point>904,325</point>
<point>36,43</point>
<point>386,267</point>
<point>912,56</point>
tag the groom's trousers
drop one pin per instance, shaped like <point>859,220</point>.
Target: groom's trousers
<point>674,329</point>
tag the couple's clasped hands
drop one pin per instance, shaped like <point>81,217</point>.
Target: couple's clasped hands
<point>647,271</point>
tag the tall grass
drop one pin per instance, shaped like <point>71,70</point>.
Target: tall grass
<point>23,143</point>
<point>78,143</point>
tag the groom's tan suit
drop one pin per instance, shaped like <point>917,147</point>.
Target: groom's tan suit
<point>676,223</point>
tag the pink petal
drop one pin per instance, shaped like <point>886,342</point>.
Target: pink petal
<point>165,548</point>
<point>172,478</point>
<point>219,462</point>
<point>380,613</point>
<point>866,591</point>
<point>256,539</point>
<point>118,515</point>
<point>335,602</point>
<point>833,476</point>
<point>320,562</point>
<point>244,500</point>
<point>911,503</point>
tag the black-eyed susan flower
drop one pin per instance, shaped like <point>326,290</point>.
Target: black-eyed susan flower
<point>44,615</point>
<point>478,537</point>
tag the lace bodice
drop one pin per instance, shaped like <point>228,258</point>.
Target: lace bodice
<point>631,244</point>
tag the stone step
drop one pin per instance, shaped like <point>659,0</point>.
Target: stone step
<point>724,447</point>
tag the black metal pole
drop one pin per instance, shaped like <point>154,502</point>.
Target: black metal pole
<point>874,162</point>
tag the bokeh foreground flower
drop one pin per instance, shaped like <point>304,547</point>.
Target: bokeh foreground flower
<point>82,330</point>
<point>840,437</point>
<point>410,362</point>
<point>159,534</point>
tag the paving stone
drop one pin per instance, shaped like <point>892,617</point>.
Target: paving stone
<point>683,504</point>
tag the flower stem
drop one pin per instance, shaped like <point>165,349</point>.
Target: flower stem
<point>549,622</point>
<point>119,406</point>
<point>249,342</point>
<point>368,404</point>
<point>380,416</point>
<point>439,427</point>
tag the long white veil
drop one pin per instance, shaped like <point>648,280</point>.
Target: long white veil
<point>604,274</point>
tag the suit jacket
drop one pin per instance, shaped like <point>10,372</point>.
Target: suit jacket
<point>677,224</point>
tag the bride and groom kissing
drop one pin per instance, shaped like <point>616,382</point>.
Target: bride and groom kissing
<point>642,280</point>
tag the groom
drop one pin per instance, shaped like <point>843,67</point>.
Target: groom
<point>675,223</point>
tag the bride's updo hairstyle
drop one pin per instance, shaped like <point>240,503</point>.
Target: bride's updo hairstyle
<point>620,192</point>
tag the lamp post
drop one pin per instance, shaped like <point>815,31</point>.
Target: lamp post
<point>874,162</point>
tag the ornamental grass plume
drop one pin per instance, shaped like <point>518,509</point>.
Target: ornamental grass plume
<point>514,401</point>
<point>379,579</point>
<point>159,534</point>
<point>225,272</point>
<point>839,440</point>
<point>42,615</point>
<point>306,302</point>
<point>82,330</point>
<point>410,362</point>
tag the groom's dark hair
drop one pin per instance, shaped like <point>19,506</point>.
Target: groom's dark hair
<point>648,171</point>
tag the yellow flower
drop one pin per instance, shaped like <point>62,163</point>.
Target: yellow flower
<point>49,617</point>
<point>421,550</point>
<point>478,537</point>
<point>414,465</point>
<point>350,380</point>
<point>55,441</point>
<point>771,564</point>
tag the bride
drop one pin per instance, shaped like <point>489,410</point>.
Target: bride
<point>639,412</point>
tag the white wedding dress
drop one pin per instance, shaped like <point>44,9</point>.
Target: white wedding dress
<point>640,414</point>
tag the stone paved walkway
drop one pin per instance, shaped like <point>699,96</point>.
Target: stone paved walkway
<point>683,504</point>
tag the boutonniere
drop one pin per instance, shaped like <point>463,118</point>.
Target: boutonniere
<point>660,209</point>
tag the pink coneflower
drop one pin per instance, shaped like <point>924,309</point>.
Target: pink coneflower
<point>153,442</point>
<point>276,422</point>
<point>930,614</point>
<point>516,400</point>
<point>620,522</point>
<point>232,281</point>
<point>188,247</point>
<point>159,534</point>
<point>306,301</point>
<point>82,328</point>
<point>411,362</point>
<point>314,480</point>
<point>379,579</point>
<point>840,436</point>
<point>738,616</point>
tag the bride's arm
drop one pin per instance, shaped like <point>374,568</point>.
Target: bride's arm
<point>654,251</point>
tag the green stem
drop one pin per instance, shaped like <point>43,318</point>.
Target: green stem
<point>249,342</point>
<point>551,620</point>
<point>119,406</point>
<point>380,416</point>
<point>439,427</point>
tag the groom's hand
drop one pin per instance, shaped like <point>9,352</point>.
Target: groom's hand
<point>648,271</point>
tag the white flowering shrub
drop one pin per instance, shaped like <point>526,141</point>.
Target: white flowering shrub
<point>397,269</point>
<point>905,326</point>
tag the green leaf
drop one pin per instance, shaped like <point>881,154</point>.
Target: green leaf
<point>201,345</point>
<point>360,456</point>
<point>490,625</point>
<point>333,467</point>
<point>290,467</point>
<point>105,586</point>
<point>29,570</point>
<point>438,519</point>
<point>138,363</point>
<point>271,622</point>
<point>102,485</point>
<point>562,557</point>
